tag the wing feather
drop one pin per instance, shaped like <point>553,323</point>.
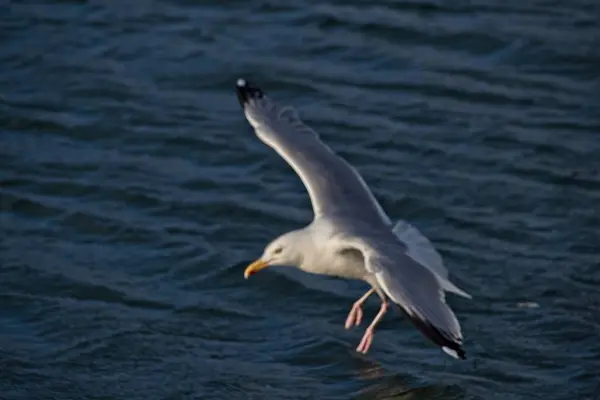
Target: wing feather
<point>420,249</point>
<point>333,185</point>
<point>418,292</point>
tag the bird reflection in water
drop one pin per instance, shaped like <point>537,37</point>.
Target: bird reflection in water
<point>387,386</point>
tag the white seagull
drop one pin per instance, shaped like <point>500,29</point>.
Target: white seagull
<point>351,236</point>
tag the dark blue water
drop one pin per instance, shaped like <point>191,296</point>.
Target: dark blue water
<point>133,194</point>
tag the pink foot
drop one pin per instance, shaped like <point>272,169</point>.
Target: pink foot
<point>366,341</point>
<point>355,316</point>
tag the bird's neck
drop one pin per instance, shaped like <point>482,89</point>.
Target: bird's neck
<point>312,249</point>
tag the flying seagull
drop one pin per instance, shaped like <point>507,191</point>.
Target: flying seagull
<point>350,235</point>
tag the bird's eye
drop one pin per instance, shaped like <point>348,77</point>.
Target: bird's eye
<point>277,250</point>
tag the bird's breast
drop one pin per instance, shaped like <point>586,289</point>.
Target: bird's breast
<point>342,265</point>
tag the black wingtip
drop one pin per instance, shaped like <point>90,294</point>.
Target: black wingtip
<point>246,90</point>
<point>436,336</point>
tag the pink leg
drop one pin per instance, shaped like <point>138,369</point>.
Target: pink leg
<point>367,339</point>
<point>355,315</point>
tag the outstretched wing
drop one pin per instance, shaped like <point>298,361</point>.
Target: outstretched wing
<point>333,185</point>
<point>420,249</point>
<point>419,293</point>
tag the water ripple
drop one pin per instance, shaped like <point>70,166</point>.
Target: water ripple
<point>133,193</point>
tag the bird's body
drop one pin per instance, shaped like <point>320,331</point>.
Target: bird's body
<point>351,236</point>
<point>329,254</point>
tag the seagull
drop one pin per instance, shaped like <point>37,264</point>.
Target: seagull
<point>350,235</point>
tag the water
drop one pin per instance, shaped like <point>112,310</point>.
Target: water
<point>134,193</point>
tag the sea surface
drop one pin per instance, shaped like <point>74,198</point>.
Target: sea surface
<point>133,193</point>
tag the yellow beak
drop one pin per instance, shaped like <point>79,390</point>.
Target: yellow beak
<point>255,267</point>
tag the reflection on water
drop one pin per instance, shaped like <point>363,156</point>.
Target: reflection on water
<point>398,386</point>
<point>370,371</point>
<point>383,385</point>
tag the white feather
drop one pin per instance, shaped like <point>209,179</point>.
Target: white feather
<point>450,352</point>
<point>422,251</point>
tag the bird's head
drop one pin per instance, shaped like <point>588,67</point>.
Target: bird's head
<point>283,251</point>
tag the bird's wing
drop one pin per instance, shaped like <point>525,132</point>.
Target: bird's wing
<point>418,292</point>
<point>333,185</point>
<point>420,249</point>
